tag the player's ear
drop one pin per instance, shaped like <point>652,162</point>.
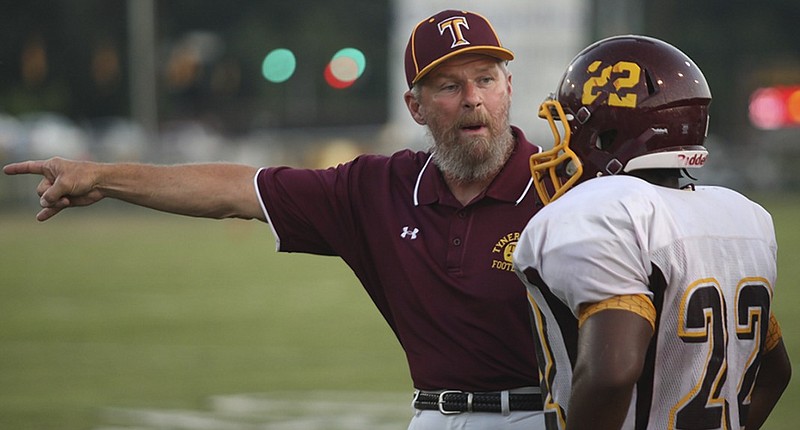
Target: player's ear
<point>414,107</point>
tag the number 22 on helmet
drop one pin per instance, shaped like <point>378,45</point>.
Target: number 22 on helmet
<point>625,103</point>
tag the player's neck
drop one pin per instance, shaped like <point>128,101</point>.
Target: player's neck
<point>669,178</point>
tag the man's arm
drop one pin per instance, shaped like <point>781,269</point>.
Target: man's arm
<point>214,190</point>
<point>773,377</point>
<point>612,345</point>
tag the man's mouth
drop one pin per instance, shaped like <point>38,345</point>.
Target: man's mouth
<point>472,127</point>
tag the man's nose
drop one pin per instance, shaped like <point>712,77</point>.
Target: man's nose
<point>473,97</point>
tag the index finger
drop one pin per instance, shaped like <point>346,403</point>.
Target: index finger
<point>25,167</point>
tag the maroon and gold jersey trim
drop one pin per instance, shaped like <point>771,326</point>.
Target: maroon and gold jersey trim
<point>774,334</point>
<point>639,304</point>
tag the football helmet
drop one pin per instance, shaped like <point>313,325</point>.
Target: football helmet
<point>624,103</point>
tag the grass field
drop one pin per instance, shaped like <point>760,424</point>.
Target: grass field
<point>104,308</point>
<point>153,310</point>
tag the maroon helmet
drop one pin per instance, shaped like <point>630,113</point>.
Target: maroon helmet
<point>625,103</point>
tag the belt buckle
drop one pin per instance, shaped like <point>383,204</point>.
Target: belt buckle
<point>440,402</point>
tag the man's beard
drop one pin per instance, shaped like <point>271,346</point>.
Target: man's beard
<point>475,158</point>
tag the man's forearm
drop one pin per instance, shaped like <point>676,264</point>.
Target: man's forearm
<point>213,190</point>
<point>773,378</point>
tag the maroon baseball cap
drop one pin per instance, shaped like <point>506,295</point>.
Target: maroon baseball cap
<point>447,34</point>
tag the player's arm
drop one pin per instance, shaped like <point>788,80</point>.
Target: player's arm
<point>612,344</point>
<point>213,190</point>
<point>773,378</point>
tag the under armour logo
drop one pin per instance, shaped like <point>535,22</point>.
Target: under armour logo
<point>406,232</point>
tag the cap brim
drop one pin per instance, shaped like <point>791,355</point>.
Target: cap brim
<point>492,51</point>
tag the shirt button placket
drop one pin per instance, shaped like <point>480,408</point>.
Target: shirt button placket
<point>458,228</point>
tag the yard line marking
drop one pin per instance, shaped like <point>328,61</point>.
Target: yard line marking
<point>315,410</point>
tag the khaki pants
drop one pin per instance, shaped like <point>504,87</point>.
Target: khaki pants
<point>516,420</point>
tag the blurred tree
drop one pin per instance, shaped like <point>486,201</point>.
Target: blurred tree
<point>70,57</point>
<point>47,56</point>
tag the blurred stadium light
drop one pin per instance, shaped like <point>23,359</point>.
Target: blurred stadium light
<point>775,107</point>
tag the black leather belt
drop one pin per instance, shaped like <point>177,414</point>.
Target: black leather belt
<point>456,402</point>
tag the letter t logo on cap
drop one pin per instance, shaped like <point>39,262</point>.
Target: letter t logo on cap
<point>454,24</point>
<point>428,46</point>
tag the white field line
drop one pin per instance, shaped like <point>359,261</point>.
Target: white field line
<point>319,410</point>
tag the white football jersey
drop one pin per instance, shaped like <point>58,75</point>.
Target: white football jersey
<point>705,257</point>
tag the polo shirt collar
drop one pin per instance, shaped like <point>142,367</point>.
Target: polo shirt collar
<point>508,186</point>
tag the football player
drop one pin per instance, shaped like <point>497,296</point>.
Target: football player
<point>652,301</point>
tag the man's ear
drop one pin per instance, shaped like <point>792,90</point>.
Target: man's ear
<point>414,108</point>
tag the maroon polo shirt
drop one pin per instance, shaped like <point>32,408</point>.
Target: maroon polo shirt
<point>438,271</point>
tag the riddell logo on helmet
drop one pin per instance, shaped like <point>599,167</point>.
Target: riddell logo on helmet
<point>695,160</point>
